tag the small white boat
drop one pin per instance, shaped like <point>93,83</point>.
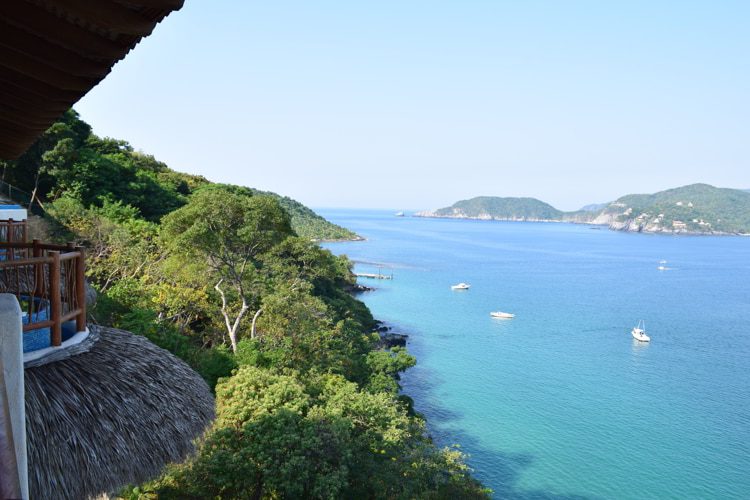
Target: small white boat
<point>639,332</point>
<point>399,214</point>
<point>461,286</point>
<point>662,265</point>
<point>500,314</point>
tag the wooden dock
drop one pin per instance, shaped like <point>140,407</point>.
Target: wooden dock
<point>375,276</point>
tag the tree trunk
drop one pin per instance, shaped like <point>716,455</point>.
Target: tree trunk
<point>232,328</point>
<point>255,319</point>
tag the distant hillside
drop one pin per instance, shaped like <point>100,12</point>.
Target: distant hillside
<point>494,208</point>
<point>308,224</point>
<point>593,207</point>
<point>693,209</point>
<point>697,208</point>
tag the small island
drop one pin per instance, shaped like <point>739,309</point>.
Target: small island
<point>692,209</point>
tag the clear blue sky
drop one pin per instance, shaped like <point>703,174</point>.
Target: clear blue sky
<point>416,104</point>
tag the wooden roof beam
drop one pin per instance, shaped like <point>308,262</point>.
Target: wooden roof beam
<point>10,114</point>
<point>49,53</point>
<point>18,62</point>
<point>38,21</point>
<point>35,89</point>
<point>154,4</point>
<point>107,15</point>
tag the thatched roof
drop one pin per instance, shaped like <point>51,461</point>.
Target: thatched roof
<point>54,51</point>
<point>109,417</point>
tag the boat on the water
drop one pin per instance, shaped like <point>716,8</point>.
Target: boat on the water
<point>399,214</point>
<point>662,265</point>
<point>461,286</point>
<point>503,315</point>
<point>639,332</point>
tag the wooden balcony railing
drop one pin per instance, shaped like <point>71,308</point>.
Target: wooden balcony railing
<point>13,231</point>
<point>49,283</point>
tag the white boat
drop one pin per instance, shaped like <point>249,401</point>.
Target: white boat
<point>500,314</point>
<point>662,265</point>
<point>399,214</point>
<point>639,332</point>
<point>461,286</point>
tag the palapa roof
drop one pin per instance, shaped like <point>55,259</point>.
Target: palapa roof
<point>52,52</point>
<point>110,417</point>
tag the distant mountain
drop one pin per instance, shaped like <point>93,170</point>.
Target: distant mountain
<point>494,208</point>
<point>594,207</point>
<point>693,209</point>
<point>308,224</point>
<point>697,208</point>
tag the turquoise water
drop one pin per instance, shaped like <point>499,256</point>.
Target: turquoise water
<point>561,402</point>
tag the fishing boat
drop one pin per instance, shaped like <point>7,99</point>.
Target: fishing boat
<point>639,332</point>
<point>503,315</point>
<point>461,286</point>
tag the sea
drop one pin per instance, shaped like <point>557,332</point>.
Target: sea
<point>561,402</point>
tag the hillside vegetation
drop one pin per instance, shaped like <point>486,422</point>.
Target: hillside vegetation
<point>489,207</point>
<point>692,209</point>
<point>69,160</point>
<point>697,208</point>
<point>308,401</point>
<point>308,224</point>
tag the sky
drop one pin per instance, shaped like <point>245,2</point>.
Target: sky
<point>411,104</point>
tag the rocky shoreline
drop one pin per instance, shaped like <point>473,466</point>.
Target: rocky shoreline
<point>340,240</point>
<point>603,220</point>
<point>388,338</point>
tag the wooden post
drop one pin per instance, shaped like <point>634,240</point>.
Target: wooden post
<point>80,264</point>
<point>9,251</point>
<point>36,252</point>
<point>25,230</point>
<point>54,299</point>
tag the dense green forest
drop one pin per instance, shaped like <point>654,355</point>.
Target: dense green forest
<point>308,224</point>
<point>308,402</point>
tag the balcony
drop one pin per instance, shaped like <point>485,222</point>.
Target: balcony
<point>49,283</point>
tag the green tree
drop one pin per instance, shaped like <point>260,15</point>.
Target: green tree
<point>276,436</point>
<point>229,232</point>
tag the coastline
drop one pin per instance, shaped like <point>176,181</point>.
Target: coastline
<point>339,240</point>
<point>629,226</point>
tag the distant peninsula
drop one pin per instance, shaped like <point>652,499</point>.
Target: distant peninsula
<point>692,209</point>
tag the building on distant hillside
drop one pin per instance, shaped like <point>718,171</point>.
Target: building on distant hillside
<point>84,410</point>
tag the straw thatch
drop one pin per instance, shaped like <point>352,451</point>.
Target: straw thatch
<point>109,417</point>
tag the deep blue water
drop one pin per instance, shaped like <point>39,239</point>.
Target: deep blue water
<point>561,402</point>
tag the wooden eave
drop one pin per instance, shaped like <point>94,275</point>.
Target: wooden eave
<point>52,52</point>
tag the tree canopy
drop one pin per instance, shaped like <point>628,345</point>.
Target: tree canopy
<point>308,402</point>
